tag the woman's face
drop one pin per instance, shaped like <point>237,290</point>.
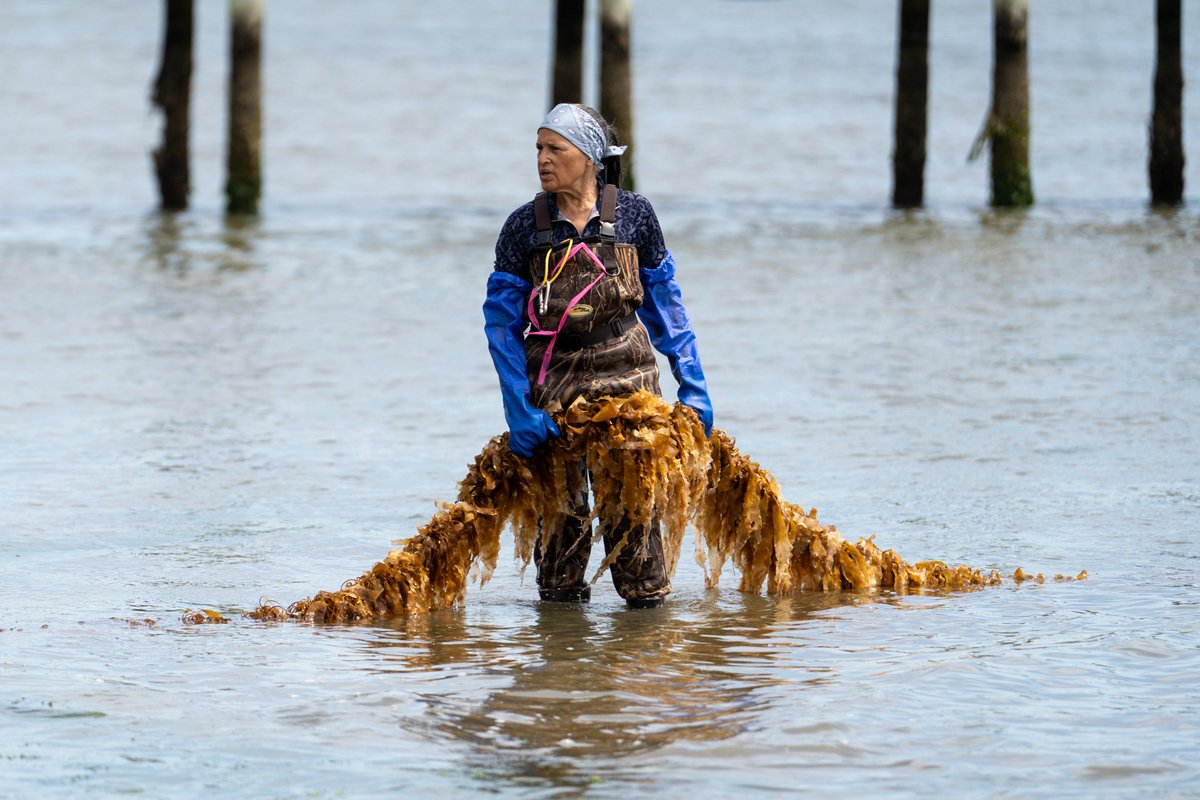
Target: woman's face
<point>561,165</point>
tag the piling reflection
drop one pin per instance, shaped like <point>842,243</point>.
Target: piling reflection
<point>1004,221</point>
<point>239,236</point>
<point>177,243</point>
<point>163,245</point>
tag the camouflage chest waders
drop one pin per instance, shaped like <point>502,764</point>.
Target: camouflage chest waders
<point>585,340</point>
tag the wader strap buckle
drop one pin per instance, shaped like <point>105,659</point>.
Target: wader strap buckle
<point>574,341</point>
<point>608,230</point>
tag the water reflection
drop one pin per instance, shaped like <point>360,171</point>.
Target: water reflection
<point>164,244</point>
<point>583,691</point>
<point>1004,221</point>
<point>239,236</point>
<point>177,243</point>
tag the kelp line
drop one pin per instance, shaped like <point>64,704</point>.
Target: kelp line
<point>650,461</point>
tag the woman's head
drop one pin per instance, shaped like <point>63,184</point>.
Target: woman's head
<point>584,129</point>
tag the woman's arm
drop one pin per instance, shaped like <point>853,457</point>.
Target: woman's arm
<point>663,313</point>
<point>504,325</point>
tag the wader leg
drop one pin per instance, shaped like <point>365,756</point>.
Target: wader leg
<point>562,563</point>
<point>640,571</point>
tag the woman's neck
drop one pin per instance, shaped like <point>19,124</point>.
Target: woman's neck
<point>577,204</point>
<point>577,200</point>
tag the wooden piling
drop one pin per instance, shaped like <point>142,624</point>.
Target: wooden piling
<point>1008,126</point>
<point>616,86</point>
<point>912,86</point>
<point>172,94</point>
<point>1166,127</point>
<point>243,185</point>
<point>567,83</point>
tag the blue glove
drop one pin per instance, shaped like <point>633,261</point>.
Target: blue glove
<point>504,322</point>
<point>666,320</point>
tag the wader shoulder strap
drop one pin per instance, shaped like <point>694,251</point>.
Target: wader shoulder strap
<point>608,213</point>
<point>541,217</point>
<point>608,229</point>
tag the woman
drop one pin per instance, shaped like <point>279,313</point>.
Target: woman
<point>583,285</point>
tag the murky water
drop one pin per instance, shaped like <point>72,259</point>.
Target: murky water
<point>196,413</point>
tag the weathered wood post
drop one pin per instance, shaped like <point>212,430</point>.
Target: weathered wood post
<point>912,86</point>
<point>243,184</point>
<point>1166,128</point>
<point>1008,124</point>
<point>172,94</point>
<point>567,83</point>
<point>616,87</point>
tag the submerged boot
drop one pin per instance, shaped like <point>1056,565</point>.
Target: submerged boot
<point>645,602</point>
<point>570,594</point>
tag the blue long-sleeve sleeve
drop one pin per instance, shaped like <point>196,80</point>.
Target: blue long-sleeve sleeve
<point>666,320</point>
<point>504,323</point>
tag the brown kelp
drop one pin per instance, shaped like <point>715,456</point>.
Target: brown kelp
<point>650,461</point>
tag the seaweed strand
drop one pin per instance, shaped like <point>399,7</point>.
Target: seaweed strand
<point>650,462</point>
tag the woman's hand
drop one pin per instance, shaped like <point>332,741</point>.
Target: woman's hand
<point>528,429</point>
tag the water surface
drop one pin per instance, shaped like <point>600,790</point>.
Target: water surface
<point>198,413</point>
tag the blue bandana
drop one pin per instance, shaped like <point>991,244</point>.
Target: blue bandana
<point>580,129</point>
